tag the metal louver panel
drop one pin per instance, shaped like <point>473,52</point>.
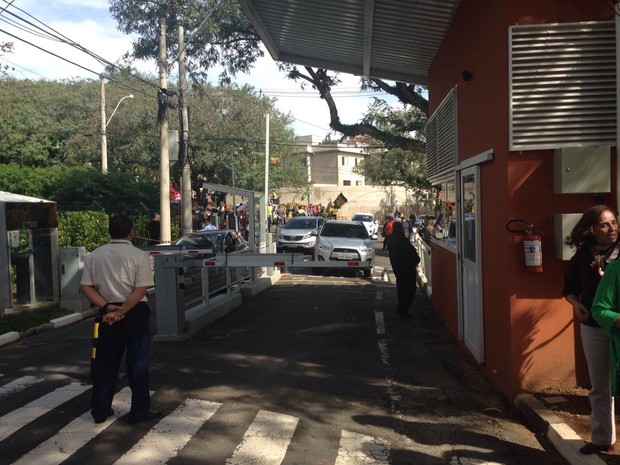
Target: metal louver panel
<point>441,139</point>
<point>562,85</point>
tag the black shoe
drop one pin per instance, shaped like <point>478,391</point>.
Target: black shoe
<point>590,448</point>
<point>149,416</point>
<point>102,419</point>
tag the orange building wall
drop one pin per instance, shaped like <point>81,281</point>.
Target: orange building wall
<point>444,301</point>
<point>528,331</point>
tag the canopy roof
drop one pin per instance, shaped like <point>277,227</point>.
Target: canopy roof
<point>388,39</point>
<point>8,197</point>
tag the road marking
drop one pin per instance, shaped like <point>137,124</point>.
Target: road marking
<point>380,322</point>
<point>392,391</point>
<point>76,434</point>
<point>266,440</point>
<point>18,384</point>
<point>171,434</point>
<point>467,461</point>
<point>359,449</point>
<point>19,418</point>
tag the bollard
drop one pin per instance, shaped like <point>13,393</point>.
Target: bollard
<point>93,350</point>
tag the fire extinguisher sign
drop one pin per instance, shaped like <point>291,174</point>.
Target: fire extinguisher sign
<point>533,252</point>
<point>532,244</point>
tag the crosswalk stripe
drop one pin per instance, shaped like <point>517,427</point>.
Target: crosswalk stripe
<point>18,384</point>
<point>75,435</point>
<point>19,418</point>
<point>266,440</point>
<point>359,449</point>
<point>171,434</point>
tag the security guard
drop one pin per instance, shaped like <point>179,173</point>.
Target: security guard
<point>116,278</point>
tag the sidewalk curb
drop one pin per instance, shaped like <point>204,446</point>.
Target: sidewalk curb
<point>563,438</point>
<point>8,338</point>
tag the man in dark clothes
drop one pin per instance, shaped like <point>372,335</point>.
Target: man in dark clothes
<point>404,260</point>
<point>153,229</point>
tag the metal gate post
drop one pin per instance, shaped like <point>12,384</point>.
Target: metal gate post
<point>169,306</point>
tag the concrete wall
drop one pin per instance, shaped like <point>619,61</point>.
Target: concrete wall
<point>372,199</point>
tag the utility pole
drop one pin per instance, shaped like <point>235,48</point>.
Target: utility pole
<point>186,175</point>
<point>164,158</point>
<point>104,141</point>
<point>265,202</point>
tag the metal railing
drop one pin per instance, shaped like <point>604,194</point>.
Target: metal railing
<point>424,268</point>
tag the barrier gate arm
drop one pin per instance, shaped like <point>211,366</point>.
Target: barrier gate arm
<point>279,260</point>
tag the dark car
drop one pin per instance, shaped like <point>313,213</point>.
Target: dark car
<point>220,240</point>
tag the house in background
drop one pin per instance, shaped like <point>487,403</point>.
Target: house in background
<point>331,171</point>
<point>522,127</point>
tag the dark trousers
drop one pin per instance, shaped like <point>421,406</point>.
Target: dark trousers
<point>134,334</point>
<point>405,292</point>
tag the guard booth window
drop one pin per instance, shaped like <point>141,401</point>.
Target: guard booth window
<point>445,224</point>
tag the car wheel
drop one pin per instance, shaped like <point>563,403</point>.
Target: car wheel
<point>367,273</point>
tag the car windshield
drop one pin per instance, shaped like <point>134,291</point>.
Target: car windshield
<point>366,218</point>
<point>218,238</point>
<point>300,223</point>
<point>196,241</point>
<point>352,231</point>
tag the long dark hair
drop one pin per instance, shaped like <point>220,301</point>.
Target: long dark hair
<point>583,232</point>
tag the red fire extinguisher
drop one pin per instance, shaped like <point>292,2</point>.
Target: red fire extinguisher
<point>532,245</point>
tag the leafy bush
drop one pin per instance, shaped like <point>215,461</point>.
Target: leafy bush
<point>90,229</point>
<point>86,228</point>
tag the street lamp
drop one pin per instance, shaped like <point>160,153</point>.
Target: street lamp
<point>104,125</point>
<point>233,155</point>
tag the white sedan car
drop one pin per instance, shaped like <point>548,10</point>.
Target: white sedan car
<point>370,222</point>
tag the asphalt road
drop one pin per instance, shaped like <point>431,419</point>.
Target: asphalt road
<point>315,370</point>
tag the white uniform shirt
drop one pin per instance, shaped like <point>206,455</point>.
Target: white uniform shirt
<point>116,269</point>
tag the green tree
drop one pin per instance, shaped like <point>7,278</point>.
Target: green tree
<point>79,188</point>
<point>5,47</point>
<point>218,33</point>
<point>227,38</point>
<point>48,123</point>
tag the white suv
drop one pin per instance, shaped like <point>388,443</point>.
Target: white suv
<point>370,222</point>
<point>341,240</point>
<point>299,234</point>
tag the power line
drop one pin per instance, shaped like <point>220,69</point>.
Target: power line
<point>59,37</point>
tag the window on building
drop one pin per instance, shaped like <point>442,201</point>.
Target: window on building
<point>346,183</point>
<point>356,161</point>
<point>445,223</point>
<point>358,183</point>
<point>343,161</point>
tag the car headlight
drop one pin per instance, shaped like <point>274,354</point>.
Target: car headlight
<point>308,236</point>
<point>366,249</point>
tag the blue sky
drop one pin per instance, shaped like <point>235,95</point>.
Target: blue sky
<point>89,23</point>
